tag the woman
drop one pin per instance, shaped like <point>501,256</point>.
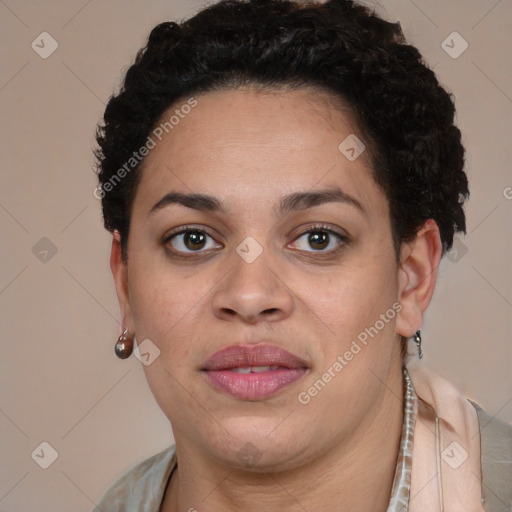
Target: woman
<point>281,181</point>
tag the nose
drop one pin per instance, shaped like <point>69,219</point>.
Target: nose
<point>252,292</point>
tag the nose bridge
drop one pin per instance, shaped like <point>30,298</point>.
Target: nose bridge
<point>252,288</point>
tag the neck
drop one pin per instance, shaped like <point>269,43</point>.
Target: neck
<point>356,474</point>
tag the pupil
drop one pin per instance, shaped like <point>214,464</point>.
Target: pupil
<point>318,238</point>
<point>194,240</point>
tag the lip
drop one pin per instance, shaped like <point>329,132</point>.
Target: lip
<point>261,354</point>
<point>219,370</point>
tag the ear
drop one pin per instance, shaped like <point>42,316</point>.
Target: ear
<point>419,261</point>
<point>120,274</point>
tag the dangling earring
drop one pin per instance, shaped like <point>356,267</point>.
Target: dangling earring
<point>124,345</point>
<point>417,340</point>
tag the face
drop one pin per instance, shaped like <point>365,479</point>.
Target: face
<point>292,248</point>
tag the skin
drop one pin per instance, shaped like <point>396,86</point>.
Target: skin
<point>249,149</point>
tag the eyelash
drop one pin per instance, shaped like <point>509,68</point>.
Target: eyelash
<point>343,239</point>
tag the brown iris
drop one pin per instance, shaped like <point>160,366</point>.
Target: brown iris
<point>318,239</point>
<point>194,240</point>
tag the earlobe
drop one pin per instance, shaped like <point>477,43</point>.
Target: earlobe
<point>120,274</point>
<point>419,261</point>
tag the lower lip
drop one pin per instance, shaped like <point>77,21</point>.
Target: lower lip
<point>253,386</point>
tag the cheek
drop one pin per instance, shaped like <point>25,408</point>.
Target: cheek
<point>351,297</point>
<point>163,305</point>
<point>358,309</point>
<point>167,311</point>
<point>362,318</point>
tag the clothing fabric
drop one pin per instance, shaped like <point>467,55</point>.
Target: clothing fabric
<point>446,472</point>
<point>401,489</point>
<point>142,488</point>
<point>453,456</point>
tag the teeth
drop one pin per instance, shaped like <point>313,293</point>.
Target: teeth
<point>254,369</point>
<point>241,370</point>
<point>257,369</point>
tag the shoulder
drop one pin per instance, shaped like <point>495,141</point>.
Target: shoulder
<point>141,488</point>
<point>496,442</point>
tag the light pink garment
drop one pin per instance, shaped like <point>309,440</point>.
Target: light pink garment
<point>446,473</point>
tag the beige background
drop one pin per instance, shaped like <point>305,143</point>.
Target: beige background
<point>59,379</point>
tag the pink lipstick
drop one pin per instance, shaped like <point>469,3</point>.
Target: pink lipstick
<point>253,372</point>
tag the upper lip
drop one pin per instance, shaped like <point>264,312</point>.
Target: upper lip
<point>262,354</point>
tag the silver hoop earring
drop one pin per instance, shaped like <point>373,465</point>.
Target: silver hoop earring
<point>124,345</point>
<point>417,340</point>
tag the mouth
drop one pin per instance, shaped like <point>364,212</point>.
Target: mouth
<point>254,369</point>
<point>253,372</point>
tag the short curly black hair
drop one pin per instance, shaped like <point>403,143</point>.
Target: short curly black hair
<point>338,46</point>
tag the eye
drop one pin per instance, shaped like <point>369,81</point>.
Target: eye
<point>191,240</point>
<point>319,239</point>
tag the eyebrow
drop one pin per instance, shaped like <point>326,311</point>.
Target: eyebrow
<point>305,200</point>
<point>288,204</point>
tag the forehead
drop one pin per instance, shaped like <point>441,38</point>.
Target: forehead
<point>243,143</point>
